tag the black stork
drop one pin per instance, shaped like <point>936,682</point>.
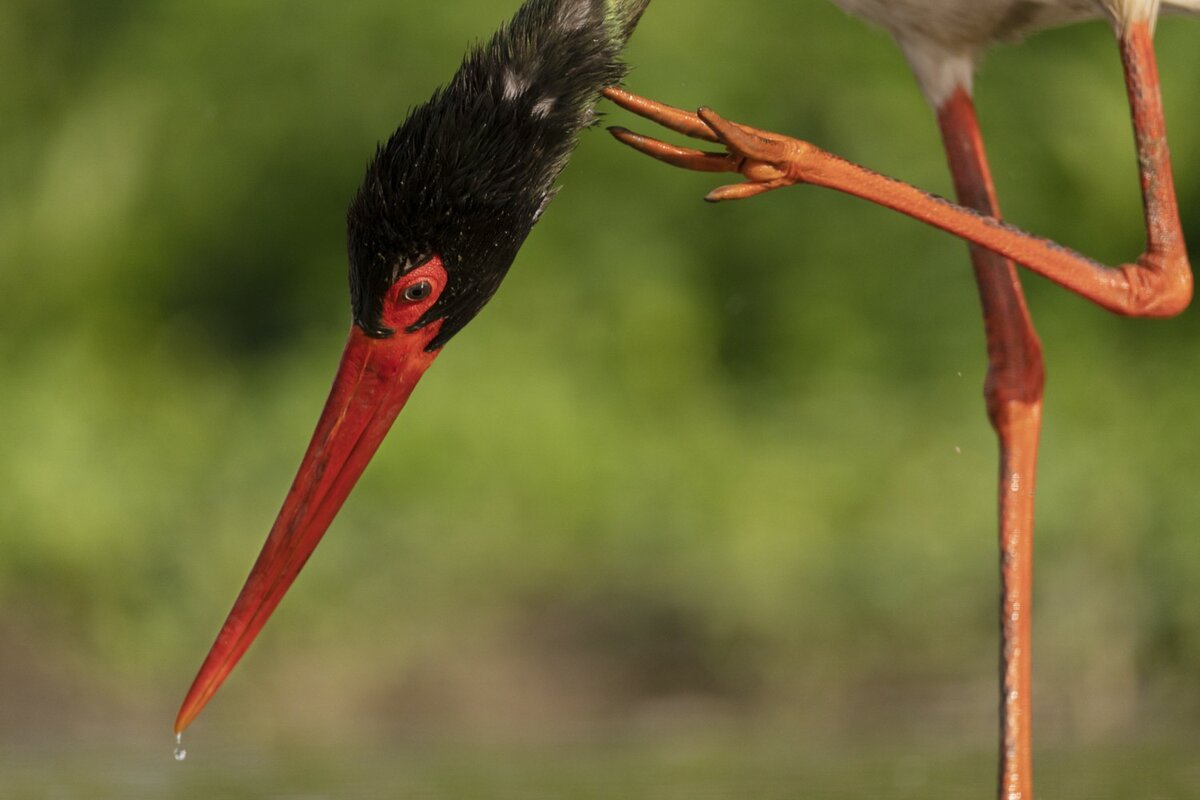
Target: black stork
<point>443,209</point>
<point>943,41</point>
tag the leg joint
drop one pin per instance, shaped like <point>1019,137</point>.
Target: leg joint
<point>1158,286</point>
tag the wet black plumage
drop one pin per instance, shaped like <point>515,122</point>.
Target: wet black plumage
<point>470,171</point>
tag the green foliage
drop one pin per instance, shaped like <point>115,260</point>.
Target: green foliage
<point>736,453</point>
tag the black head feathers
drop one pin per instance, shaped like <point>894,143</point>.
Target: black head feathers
<point>471,170</point>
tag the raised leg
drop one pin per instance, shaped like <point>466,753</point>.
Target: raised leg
<point>1013,392</point>
<point>1157,284</point>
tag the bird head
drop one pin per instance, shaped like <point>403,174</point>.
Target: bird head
<point>443,209</point>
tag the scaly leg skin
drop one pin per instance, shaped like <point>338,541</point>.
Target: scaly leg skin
<point>1158,284</point>
<point>1013,392</point>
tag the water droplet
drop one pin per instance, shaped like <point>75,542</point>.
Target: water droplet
<point>180,753</point>
<point>958,450</point>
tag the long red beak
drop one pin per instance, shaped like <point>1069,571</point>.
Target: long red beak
<point>373,382</point>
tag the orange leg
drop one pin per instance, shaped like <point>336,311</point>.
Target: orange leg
<point>1013,392</point>
<point>1157,284</point>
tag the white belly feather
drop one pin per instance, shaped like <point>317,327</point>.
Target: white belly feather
<point>943,39</point>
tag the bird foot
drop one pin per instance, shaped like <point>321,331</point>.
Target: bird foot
<point>766,160</point>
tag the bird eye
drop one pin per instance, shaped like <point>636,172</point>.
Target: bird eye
<point>418,291</point>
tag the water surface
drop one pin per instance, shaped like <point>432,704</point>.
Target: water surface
<point>658,770</point>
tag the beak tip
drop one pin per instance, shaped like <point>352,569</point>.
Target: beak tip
<point>186,714</point>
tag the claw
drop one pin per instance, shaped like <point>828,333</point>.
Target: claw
<point>675,119</point>
<point>685,157</point>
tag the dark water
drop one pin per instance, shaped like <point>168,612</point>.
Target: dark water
<point>654,771</point>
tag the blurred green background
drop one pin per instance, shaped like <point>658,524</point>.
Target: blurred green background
<point>704,491</point>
